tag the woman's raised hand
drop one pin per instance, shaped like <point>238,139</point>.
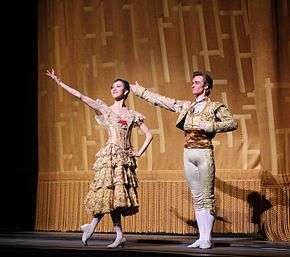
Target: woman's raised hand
<point>133,87</point>
<point>52,75</point>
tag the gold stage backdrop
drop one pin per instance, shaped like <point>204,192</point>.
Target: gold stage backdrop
<point>244,45</point>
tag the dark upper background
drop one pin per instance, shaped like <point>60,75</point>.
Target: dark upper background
<point>18,114</point>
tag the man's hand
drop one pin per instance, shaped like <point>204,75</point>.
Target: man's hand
<point>133,87</point>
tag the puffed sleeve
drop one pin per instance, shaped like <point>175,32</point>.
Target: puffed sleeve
<point>225,121</point>
<point>138,119</point>
<point>102,111</point>
<point>101,106</point>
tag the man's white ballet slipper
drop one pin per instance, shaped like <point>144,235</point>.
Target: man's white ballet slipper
<point>205,245</point>
<point>195,244</point>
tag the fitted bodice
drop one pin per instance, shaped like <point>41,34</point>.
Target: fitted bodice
<point>119,128</point>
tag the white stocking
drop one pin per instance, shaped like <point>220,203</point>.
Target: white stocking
<point>198,216</point>
<point>207,221</point>
<point>120,240</point>
<point>116,218</point>
<point>88,229</point>
<point>95,221</point>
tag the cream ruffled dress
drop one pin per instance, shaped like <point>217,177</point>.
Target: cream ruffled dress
<point>114,186</point>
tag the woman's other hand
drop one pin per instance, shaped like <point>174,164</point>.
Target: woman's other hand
<point>133,153</point>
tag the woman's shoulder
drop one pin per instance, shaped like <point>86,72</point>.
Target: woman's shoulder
<point>137,116</point>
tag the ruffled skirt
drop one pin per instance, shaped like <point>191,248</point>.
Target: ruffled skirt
<point>114,186</point>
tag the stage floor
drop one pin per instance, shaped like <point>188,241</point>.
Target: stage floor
<point>69,244</point>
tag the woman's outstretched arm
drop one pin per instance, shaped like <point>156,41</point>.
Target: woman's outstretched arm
<point>97,105</point>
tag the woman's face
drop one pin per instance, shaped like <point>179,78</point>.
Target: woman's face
<point>198,87</point>
<point>118,90</point>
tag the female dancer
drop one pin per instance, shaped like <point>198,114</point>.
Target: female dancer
<point>114,188</point>
<point>200,120</point>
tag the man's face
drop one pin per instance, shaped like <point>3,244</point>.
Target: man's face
<point>197,86</point>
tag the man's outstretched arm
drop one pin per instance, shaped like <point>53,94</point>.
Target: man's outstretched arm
<point>157,99</point>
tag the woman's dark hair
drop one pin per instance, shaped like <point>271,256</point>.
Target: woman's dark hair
<point>126,86</point>
<point>208,81</point>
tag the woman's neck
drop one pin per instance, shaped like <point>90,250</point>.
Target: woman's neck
<point>119,104</point>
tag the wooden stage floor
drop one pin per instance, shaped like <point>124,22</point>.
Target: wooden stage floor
<point>54,244</point>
